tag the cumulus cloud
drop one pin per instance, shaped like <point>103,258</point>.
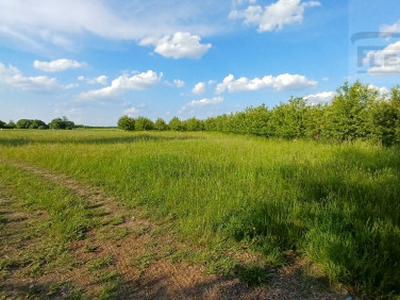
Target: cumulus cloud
<point>281,82</point>
<point>274,16</point>
<point>57,65</point>
<point>389,30</point>
<point>179,83</point>
<point>323,97</point>
<point>199,88</point>
<point>382,91</point>
<point>206,101</point>
<point>123,83</point>
<point>130,111</point>
<point>385,61</point>
<point>11,76</point>
<point>181,44</point>
<point>285,82</point>
<point>102,79</point>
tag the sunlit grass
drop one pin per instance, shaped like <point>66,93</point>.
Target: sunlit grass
<point>336,203</point>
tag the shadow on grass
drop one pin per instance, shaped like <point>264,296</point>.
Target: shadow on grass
<point>350,205</point>
<point>248,282</point>
<point>35,290</point>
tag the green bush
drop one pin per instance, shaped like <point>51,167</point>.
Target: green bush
<point>126,123</point>
<point>143,123</point>
<point>161,125</point>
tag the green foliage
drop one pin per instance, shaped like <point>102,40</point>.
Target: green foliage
<point>194,124</point>
<point>11,125</point>
<point>385,119</point>
<point>23,124</point>
<point>288,119</point>
<point>30,124</point>
<point>61,123</point>
<point>346,118</point>
<point>143,123</point>
<point>160,125</point>
<point>126,123</point>
<point>356,112</point>
<point>38,124</point>
<point>176,125</point>
<point>2,124</point>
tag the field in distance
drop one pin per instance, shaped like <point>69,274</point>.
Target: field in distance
<point>236,206</point>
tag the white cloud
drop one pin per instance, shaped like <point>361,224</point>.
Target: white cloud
<point>323,97</point>
<point>382,91</point>
<point>388,30</point>
<point>57,65</point>
<point>181,44</point>
<point>199,88</point>
<point>11,76</point>
<point>385,61</point>
<point>123,83</point>
<point>274,16</point>
<point>130,111</point>
<point>179,83</point>
<point>291,82</point>
<point>206,101</point>
<point>282,82</point>
<point>243,84</point>
<point>34,25</point>
<point>102,79</point>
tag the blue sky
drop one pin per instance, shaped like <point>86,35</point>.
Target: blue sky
<point>96,60</point>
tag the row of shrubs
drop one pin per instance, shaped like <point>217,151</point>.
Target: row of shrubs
<point>58,123</point>
<point>356,112</point>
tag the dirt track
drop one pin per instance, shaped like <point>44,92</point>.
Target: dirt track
<point>157,277</point>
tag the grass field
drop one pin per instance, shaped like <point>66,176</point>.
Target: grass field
<point>336,204</point>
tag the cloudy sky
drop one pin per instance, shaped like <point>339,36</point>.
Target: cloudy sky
<point>96,60</point>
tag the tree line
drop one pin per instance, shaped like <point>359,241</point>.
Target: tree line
<point>57,123</point>
<point>356,112</point>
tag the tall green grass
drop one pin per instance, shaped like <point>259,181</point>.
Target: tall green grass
<point>339,204</point>
<point>67,217</point>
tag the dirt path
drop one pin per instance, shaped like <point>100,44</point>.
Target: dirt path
<point>136,254</point>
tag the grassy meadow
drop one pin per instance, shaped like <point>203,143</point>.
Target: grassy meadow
<point>336,203</point>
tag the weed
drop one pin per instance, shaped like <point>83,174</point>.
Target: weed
<point>100,263</point>
<point>143,261</point>
<point>91,248</point>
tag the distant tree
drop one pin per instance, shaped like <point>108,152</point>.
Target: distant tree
<point>194,124</point>
<point>38,124</point>
<point>346,117</point>
<point>143,123</point>
<point>61,123</point>
<point>384,121</point>
<point>176,125</point>
<point>55,123</point>
<point>161,125</point>
<point>23,124</point>
<point>257,120</point>
<point>288,119</point>
<point>11,125</point>
<point>126,123</point>
<point>314,121</point>
<point>210,124</point>
<point>2,124</point>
